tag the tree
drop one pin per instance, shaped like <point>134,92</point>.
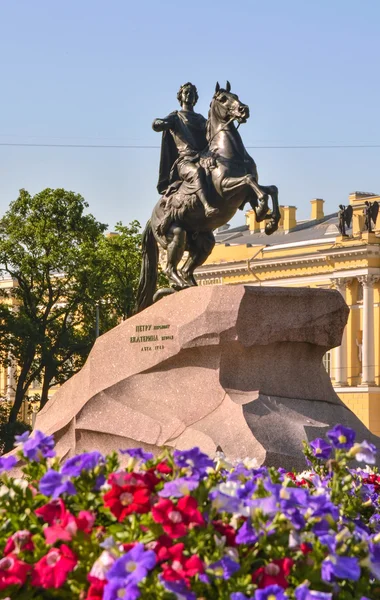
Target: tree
<point>119,260</point>
<point>47,246</point>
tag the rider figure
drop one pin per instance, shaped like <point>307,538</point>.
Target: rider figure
<point>183,140</point>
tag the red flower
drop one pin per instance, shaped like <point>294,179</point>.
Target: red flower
<point>13,571</point>
<point>176,519</point>
<point>19,541</point>
<point>273,573</point>
<point>129,494</point>
<point>178,567</point>
<point>164,468</point>
<point>51,570</point>
<point>96,589</point>
<point>305,547</point>
<point>226,531</point>
<point>53,512</point>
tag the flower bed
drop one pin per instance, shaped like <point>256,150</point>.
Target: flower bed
<point>187,527</point>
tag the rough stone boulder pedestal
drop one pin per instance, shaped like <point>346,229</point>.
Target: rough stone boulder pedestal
<point>232,366</point>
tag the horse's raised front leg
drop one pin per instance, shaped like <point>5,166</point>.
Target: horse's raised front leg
<point>175,249</point>
<point>200,248</point>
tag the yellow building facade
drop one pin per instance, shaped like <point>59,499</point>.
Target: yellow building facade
<point>312,253</point>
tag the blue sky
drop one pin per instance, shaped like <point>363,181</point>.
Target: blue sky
<point>96,72</point>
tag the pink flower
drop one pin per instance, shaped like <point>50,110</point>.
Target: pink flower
<point>13,571</point>
<point>85,521</point>
<point>52,570</point>
<point>19,541</point>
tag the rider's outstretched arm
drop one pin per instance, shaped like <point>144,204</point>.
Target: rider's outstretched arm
<point>164,124</point>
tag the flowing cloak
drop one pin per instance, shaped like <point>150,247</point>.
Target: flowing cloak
<point>169,153</point>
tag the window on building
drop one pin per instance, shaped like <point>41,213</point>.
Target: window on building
<point>326,360</point>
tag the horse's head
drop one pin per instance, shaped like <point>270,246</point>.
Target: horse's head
<point>226,106</point>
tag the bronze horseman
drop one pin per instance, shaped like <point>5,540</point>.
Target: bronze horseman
<point>206,175</point>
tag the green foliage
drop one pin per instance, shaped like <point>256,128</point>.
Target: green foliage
<point>62,265</point>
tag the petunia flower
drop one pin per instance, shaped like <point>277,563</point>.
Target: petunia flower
<point>176,519</point>
<point>224,568</point>
<point>51,570</point>
<point>102,565</point>
<point>320,448</point>
<point>128,494</point>
<point>20,541</point>
<point>364,452</point>
<point>120,589</point>
<point>340,567</point>
<point>7,463</point>
<point>96,589</point>
<point>133,566</point>
<point>274,573</point>
<point>196,461</point>
<point>38,446</point>
<point>13,571</point>
<point>302,592</point>
<point>179,589</point>
<point>272,592</point>
<point>341,437</point>
<point>87,461</point>
<point>55,484</point>
<point>179,487</point>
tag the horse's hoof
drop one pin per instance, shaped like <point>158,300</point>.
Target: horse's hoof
<point>271,227</point>
<point>210,212</point>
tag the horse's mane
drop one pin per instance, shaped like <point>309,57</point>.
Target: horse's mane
<point>208,123</point>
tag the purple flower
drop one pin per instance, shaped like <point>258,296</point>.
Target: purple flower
<point>134,565</point>
<point>341,437</point>
<point>138,453</point>
<point>373,560</point>
<point>179,487</point>
<point>7,463</point>
<point>179,589</point>
<point>340,567</point>
<point>272,592</point>
<point>194,459</point>
<point>82,462</point>
<point>364,452</point>
<point>239,596</point>
<point>302,592</point>
<point>246,534</point>
<point>119,589</point>
<point>224,568</point>
<point>320,448</point>
<point>39,446</point>
<point>20,439</point>
<point>54,484</point>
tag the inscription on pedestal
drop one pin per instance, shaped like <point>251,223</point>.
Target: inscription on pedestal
<point>151,337</point>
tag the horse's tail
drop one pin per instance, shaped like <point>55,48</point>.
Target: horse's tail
<point>148,274</point>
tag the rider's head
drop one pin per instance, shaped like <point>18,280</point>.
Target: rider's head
<point>187,94</point>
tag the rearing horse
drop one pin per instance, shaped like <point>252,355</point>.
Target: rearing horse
<point>234,183</point>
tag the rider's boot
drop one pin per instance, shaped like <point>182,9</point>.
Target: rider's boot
<point>209,210</point>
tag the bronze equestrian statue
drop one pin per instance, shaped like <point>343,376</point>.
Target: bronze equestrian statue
<point>206,175</point>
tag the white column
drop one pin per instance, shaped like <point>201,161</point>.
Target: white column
<point>340,353</point>
<point>368,348</point>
